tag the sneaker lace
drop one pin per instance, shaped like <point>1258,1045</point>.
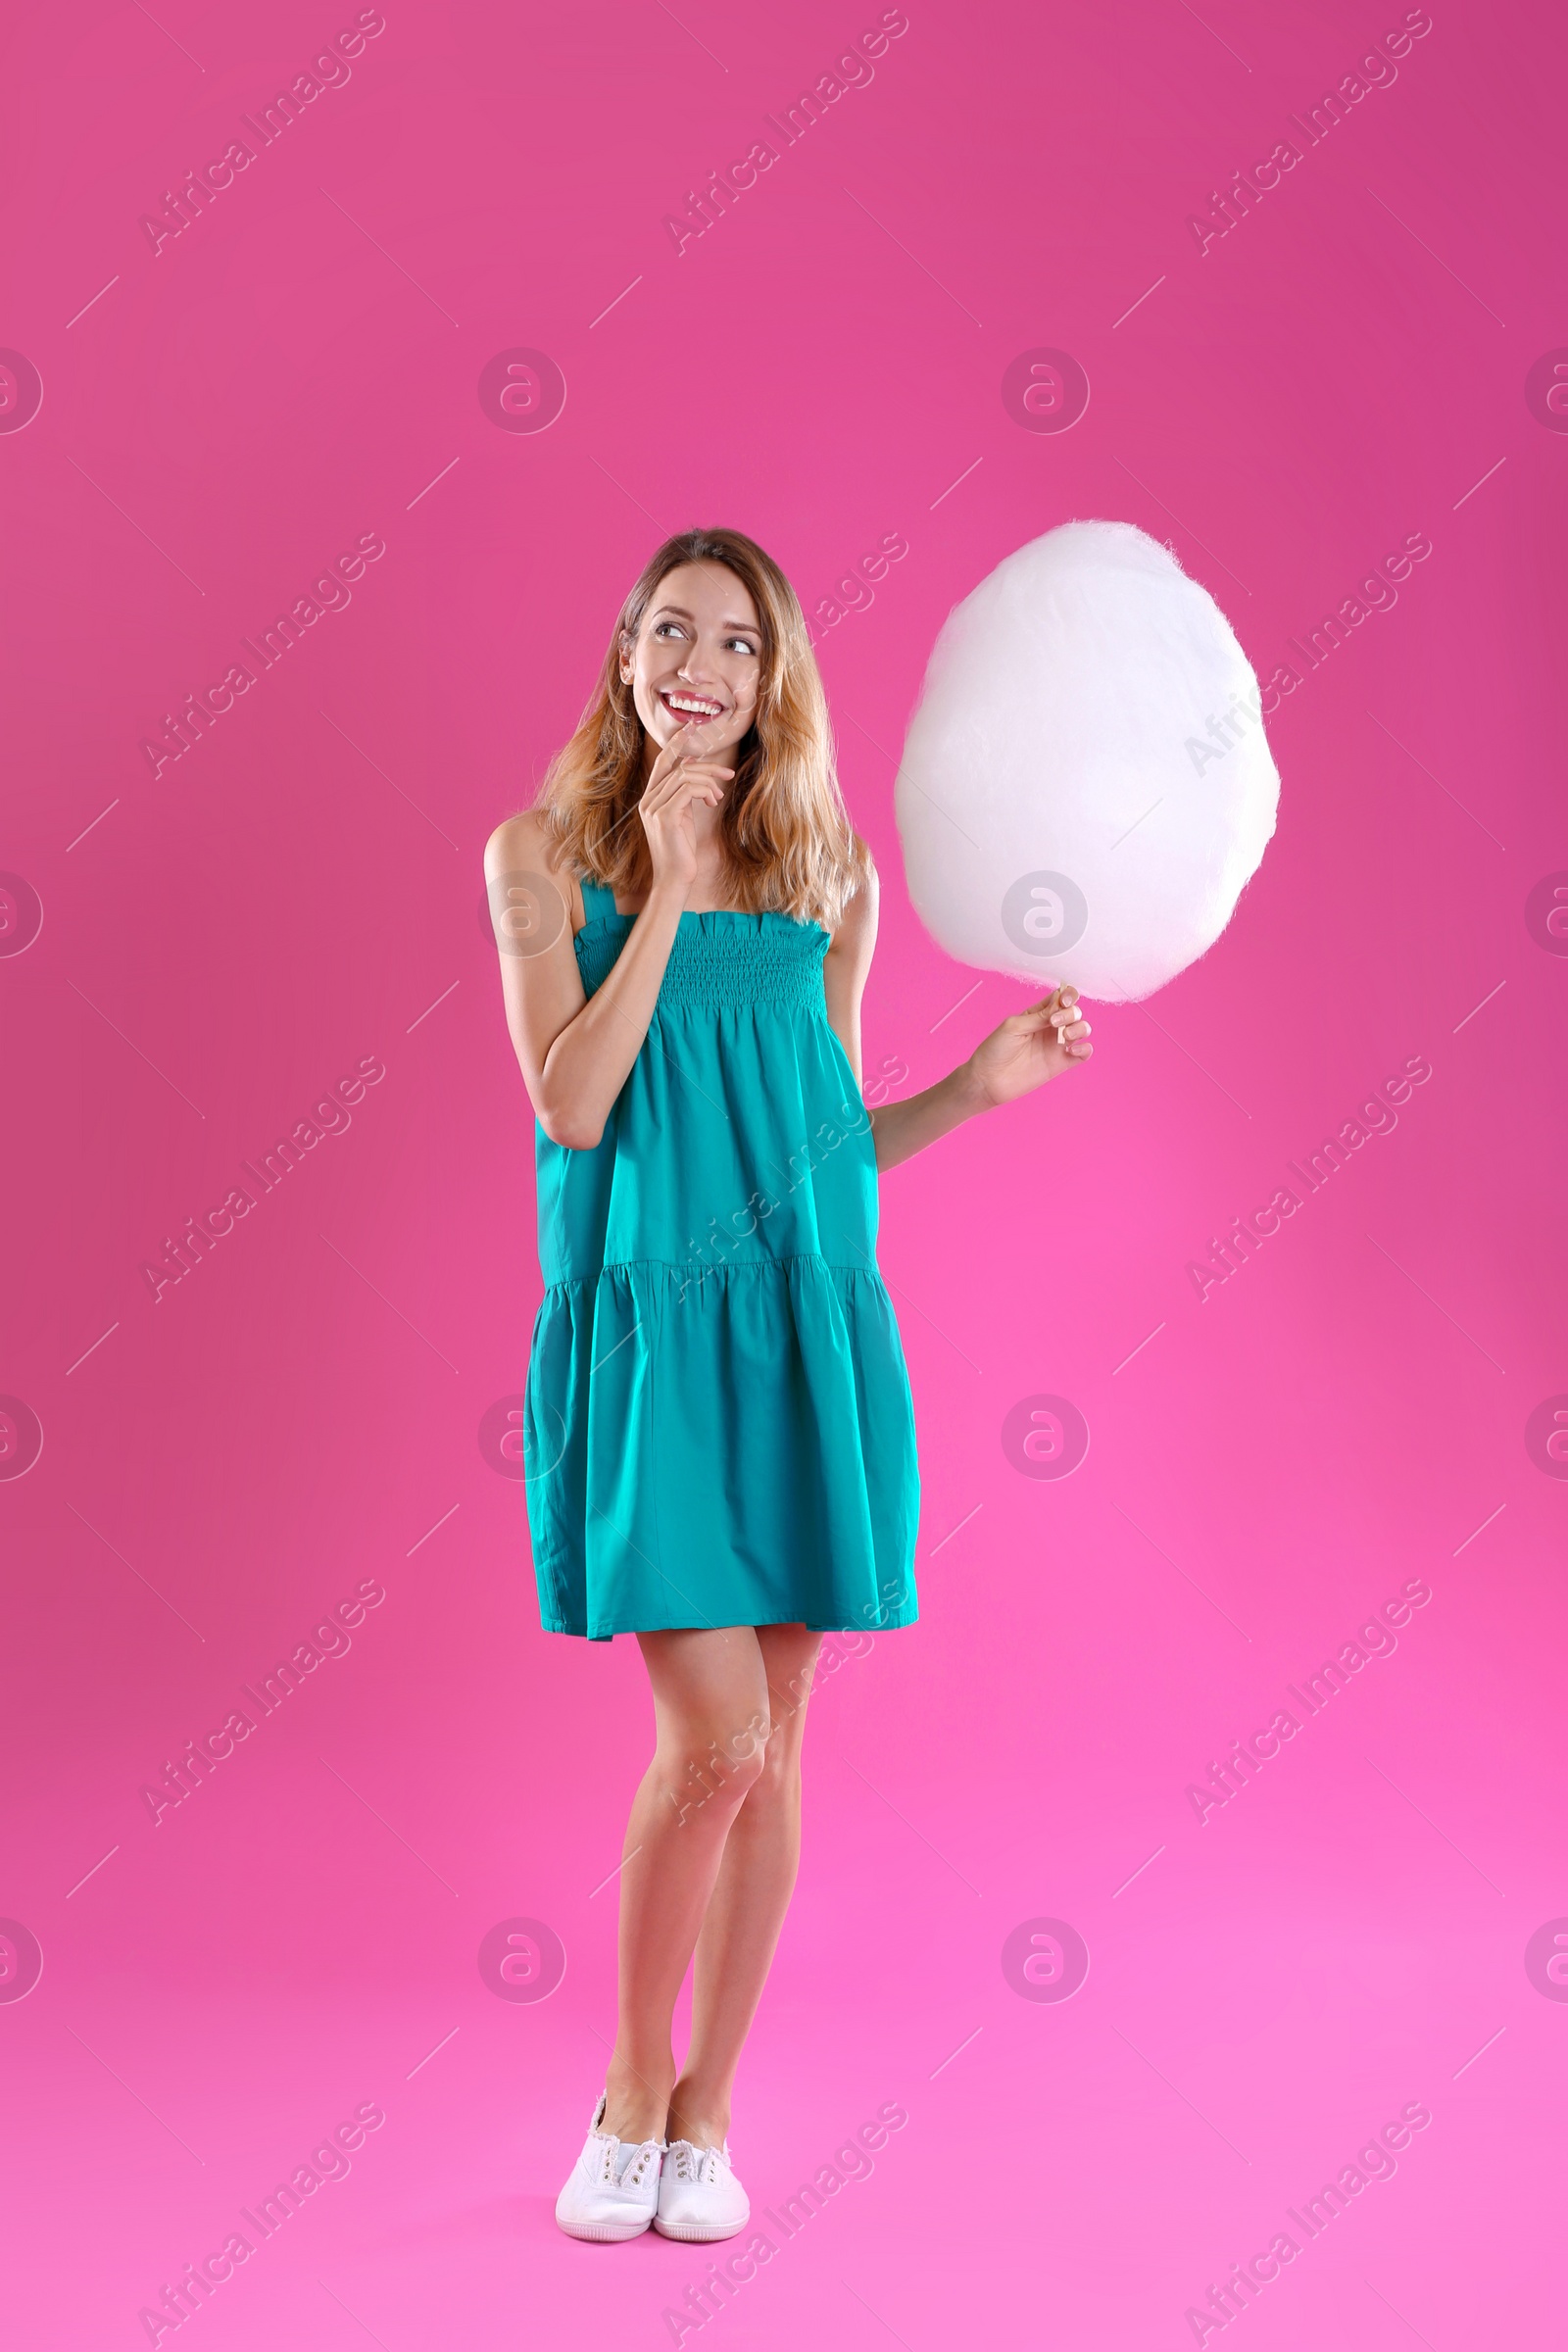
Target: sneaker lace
<point>636,2172</point>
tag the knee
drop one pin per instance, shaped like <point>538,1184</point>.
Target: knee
<point>714,1769</point>
<point>778,1776</point>
<point>741,1758</point>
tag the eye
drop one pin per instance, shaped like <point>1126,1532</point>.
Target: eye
<point>744,645</point>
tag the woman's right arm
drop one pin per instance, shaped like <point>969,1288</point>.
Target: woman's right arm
<point>575,1050</point>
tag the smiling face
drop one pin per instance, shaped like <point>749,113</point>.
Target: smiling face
<point>696,668</point>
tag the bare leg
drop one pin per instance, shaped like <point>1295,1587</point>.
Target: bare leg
<point>751,1896</point>
<point>711,1709</point>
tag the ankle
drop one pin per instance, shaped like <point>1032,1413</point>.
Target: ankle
<point>699,2113</point>
<point>636,2101</point>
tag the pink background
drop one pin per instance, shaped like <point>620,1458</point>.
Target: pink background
<point>220,943</point>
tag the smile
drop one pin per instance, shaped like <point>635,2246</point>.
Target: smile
<point>690,705</point>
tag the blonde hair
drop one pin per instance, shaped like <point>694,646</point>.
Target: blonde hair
<point>789,846</point>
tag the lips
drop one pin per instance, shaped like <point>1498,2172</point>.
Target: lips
<point>690,709</point>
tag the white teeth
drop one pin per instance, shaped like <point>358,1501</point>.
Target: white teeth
<point>687,702</point>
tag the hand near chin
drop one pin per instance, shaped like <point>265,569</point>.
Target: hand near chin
<point>680,777</point>
<point>1030,1046</point>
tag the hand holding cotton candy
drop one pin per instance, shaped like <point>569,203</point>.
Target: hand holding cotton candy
<point>1085,787</point>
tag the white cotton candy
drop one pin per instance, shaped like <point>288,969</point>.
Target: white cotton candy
<point>1086,786</point>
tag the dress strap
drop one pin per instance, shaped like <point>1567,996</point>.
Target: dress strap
<point>596,899</point>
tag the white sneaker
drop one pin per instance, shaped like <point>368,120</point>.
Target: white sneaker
<point>613,2192</point>
<point>699,2197</point>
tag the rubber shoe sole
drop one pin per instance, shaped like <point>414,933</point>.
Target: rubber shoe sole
<point>604,2232</point>
<point>698,2232</point>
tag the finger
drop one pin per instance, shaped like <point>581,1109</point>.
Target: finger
<point>667,793</point>
<point>703,785</point>
<point>675,755</point>
<point>663,774</point>
<point>692,737</point>
<point>658,799</point>
<point>666,759</point>
<point>675,808</point>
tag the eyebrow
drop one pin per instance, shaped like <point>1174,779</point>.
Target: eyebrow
<point>747,628</point>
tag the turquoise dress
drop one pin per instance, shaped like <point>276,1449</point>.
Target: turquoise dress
<point>718,1428</point>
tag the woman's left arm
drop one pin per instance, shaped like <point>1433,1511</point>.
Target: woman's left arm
<point>1020,1054</point>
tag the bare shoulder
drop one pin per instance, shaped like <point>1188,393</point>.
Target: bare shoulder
<point>520,842</point>
<point>856,935</point>
<point>529,884</point>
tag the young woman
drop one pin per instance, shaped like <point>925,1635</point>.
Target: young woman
<point>718,1442</point>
